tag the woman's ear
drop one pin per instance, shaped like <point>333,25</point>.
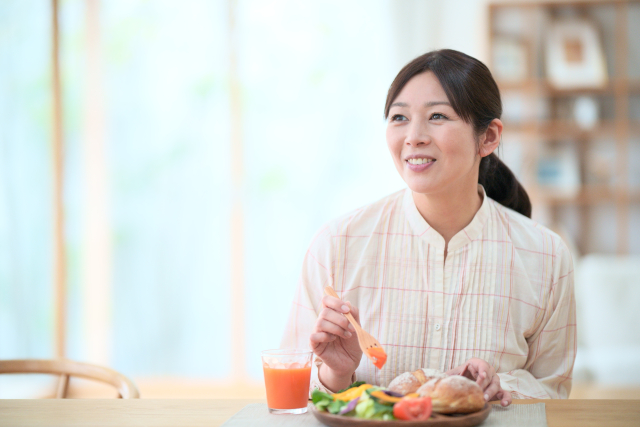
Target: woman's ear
<point>490,139</point>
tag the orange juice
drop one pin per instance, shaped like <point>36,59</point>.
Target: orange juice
<point>287,388</point>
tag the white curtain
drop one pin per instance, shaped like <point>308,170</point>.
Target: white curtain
<point>313,78</point>
<point>25,180</point>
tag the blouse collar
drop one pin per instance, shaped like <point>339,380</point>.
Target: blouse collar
<point>465,236</point>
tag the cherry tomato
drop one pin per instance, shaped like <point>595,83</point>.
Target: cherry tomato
<point>413,409</point>
<point>379,355</point>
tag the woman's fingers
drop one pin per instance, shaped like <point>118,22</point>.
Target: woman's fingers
<point>331,320</point>
<point>481,372</point>
<point>485,376</point>
<point>482,380</point>
<point>331,316</point>
<point>335,309</point>
<point>472,372</point>
<point>335,304</point>
<point>460,370</point>
<point>492,390</point>
<point>318,338</point>
<point>323,325</point>
<point>505,397</point>
<point>340,306</point>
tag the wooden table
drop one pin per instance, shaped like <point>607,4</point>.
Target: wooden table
<point>211,413</point>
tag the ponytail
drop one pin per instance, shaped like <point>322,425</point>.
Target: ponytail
<point>502,186</point>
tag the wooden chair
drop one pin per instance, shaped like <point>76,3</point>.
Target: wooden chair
<point>67,368</point>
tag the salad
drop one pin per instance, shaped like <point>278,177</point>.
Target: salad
<point>371,402</point>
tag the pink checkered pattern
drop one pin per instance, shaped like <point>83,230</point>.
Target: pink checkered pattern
<point>504,293</point>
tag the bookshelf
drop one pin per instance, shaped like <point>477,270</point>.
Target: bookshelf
<point>595,142</point>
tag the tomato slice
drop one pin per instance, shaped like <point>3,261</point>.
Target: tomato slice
<point>379,355</point>
<point>410,409</point>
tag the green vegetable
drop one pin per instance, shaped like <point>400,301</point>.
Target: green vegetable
<point>336,406</point>
<point>321,399</point>
<point>356,384</point>
<point>370,409</point>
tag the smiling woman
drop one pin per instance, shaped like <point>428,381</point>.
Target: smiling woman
<point>451,273</point>
<point>472,103</point>
<point>433,150</point>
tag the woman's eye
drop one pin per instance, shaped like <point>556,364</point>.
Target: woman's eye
<point>398,118</point>
<point>438,116</point>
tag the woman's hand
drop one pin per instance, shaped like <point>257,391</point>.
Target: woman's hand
<point>485,375</point>
<point>334,340</point>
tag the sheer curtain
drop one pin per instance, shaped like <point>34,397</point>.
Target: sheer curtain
<point>315,75</point>
<point>152,296</point>
<point>26,275</point>
<point>165,79</point>
<point>25,179</point>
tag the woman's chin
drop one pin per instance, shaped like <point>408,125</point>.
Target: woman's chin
<point>423,188</point>
<point>442,186</point>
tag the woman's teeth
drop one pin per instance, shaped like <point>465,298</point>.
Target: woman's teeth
<point>420,161</point>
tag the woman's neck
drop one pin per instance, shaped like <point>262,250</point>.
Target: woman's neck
<point>449,213</point>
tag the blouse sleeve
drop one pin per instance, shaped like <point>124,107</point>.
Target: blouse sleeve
<point>316,274</point>
<point>552,348</point>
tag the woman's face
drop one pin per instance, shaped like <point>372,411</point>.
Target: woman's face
<point>434,150</point>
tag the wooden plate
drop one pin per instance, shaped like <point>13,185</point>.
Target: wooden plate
<point>436,420</point>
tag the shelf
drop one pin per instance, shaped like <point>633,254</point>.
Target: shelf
<point>568,129</point>
<point>555,3</point>
<point>588,195</point>
<point>542,85</point>
<point>634,85</point>
<point>535,97</point>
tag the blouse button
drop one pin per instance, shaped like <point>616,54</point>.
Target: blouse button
<point>437,326</point>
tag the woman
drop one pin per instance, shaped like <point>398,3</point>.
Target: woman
<point>451,273</point>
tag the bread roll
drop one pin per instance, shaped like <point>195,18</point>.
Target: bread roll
<point>409,382</point>
<point>453,395</point>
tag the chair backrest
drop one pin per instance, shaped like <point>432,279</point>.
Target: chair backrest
<point>68,368</point>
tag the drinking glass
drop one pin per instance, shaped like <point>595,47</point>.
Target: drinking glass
<point>287,374</point>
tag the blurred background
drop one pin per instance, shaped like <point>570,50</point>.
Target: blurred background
<point>164,166</point>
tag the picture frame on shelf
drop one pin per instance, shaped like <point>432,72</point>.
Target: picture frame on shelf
<point>578,111</point>
<point>586,112</point>
<point>558,170</point>
<point>574,56</point>
<point>511,21</point>
<point>510,60</point>
<point>600,164</point>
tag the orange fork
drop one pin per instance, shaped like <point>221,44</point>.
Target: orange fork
<point>369,345</point>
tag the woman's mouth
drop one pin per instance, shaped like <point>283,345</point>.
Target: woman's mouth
<point>420,164</point>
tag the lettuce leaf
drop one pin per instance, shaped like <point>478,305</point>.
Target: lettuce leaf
<point>372,410</point>
<point>336,406</point>
<point>321,399</point>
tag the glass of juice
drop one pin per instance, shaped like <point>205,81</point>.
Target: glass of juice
<point>287,374</point>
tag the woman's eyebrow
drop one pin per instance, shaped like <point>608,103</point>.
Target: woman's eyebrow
<point>432,103</point>
<point>426,104</point>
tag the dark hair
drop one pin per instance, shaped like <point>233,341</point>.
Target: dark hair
<point>475,97</point>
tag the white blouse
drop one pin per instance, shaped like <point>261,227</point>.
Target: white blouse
<point>504,294</point>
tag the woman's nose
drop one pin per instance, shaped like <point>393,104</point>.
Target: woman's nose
<point>417,135</point>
